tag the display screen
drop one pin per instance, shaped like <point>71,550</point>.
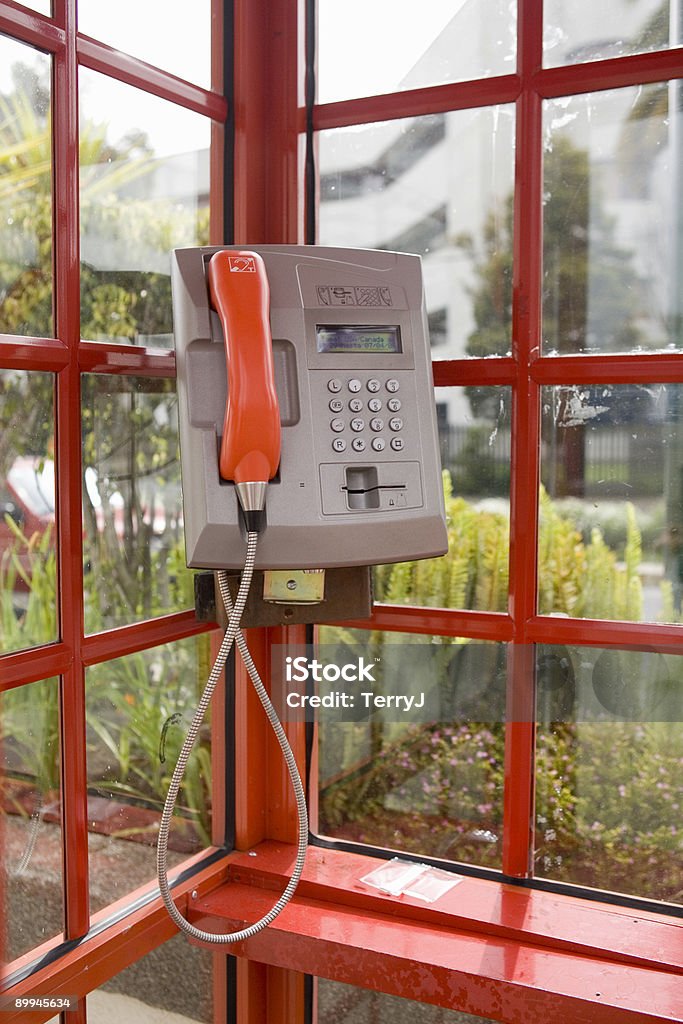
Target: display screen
<point>377,340</point>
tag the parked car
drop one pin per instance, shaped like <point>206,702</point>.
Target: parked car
<point>27,502</point>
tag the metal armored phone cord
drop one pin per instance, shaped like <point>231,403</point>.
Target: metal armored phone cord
<point>233,633</point>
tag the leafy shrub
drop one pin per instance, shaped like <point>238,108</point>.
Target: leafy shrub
<point>604,819</point>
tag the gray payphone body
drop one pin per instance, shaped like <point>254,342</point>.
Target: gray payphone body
<point>359,481</point>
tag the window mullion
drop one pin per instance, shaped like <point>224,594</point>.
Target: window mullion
<point>526,335</point>
<point>67,456</point>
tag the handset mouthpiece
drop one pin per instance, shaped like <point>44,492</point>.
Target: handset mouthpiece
<point>252,498</point>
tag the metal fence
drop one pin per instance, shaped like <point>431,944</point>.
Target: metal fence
<point>615,462</point>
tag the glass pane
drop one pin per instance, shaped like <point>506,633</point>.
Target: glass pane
<point>609,787</point>
<point>347,1004</point>
<point>576,30</point>
<point>25,191</point>
<point>613,238</point>
<point>390,778</point>
<point>42,6</point>
<point>364,49</point>
<point>138,710</point>
<point>132,506</point>
<point>474,436</point>
<point>170,985</point>
<point>171,35</point>
<point>30,804</point>
<point>612,507</point>
<point>28,564</point>
<point>144,190</point>
<point>440,186</point>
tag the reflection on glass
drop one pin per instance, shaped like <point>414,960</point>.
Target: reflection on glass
<point>25,192</point>
<point>476,41</point>
<point>609,788</point>
<point>474,437</point>
<point>30,806</point>
<point>173,37</point>
<point>613,244</point>
<point>347,1004</point>
<point>28,567</point>
<point>611,526</point>
<point>138,710</point>
<point>132,507</point>
<point>144,178</point>
<point>434,788</point>
<point>42,6</point>
<point>440,186</point>
<point>172,983</point>
<point>581,31</point>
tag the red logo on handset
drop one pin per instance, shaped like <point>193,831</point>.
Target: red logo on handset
<point>242,264</point>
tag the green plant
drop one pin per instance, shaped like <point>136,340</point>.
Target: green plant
<point>436,789</point>
<point>136,706</point>
<point>28,569</point>
<point>138,711</point>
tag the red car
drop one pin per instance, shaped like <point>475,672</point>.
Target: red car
<point>27,499</point>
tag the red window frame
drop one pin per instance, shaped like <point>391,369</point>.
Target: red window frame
<point>104,951</point>
<point>334,931</point>
<point>526,372</point>
<point>331,930</point>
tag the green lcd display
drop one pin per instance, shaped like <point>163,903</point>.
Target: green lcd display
<point>369,340</point>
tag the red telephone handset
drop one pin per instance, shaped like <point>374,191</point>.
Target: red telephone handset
<point>250,448</point>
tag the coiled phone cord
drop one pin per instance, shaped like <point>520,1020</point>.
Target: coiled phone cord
<point>233,633</point>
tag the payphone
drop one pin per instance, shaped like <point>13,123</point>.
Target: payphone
<point>303,372</point>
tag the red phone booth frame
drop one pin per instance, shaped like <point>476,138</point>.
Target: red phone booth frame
<point>498,950</point>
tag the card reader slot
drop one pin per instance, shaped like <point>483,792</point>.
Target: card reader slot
<point>363,489</point>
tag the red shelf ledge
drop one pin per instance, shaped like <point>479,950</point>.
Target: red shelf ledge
<point>487,948</point>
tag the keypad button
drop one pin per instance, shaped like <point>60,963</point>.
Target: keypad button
<point>374,385</point>
<point>358,444</point>
<point>337,426</point>
<point>392,385</point>
<point>339,444</point>
<point>334,385</point>
<point>377,424</point>
<point>355,405</point>
<point>374,405</point>
<point>336,405</point>
<point>378,444</point>
<point>357,425</point>
<point>397,444</point>
<point>396,423</point>
<point>394,404</point>
<point>354,385</point>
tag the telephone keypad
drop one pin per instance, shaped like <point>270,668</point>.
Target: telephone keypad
<point>359,427</point>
